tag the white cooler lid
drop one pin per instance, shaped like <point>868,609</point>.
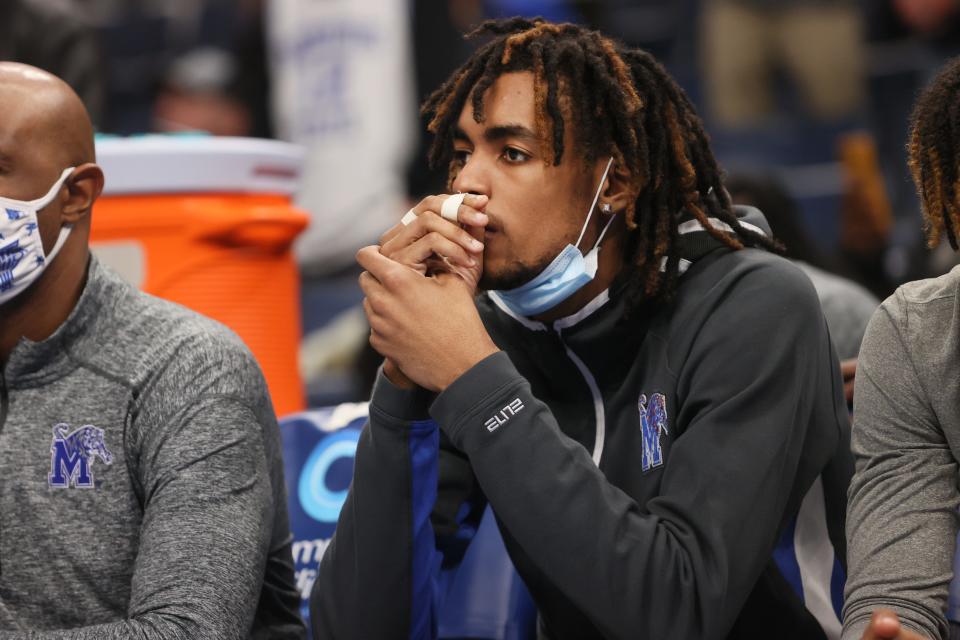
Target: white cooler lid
<point>198,164</point>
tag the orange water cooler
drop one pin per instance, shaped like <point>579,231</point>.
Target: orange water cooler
<point>208,223</point>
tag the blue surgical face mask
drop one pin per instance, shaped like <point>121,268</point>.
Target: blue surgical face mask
<point>567,274</point>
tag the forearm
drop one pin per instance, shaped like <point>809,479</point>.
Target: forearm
<point>902,518</point>
<point>901,528</point>
<point>377,577</point>
<point>148,627</point>
<point>206,529</point>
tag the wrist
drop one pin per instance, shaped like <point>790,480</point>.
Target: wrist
<point>397,377</point>
<point>470,360</point>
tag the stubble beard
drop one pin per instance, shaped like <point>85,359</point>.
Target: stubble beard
<point>516,274</point>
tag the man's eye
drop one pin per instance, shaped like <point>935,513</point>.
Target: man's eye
<point>461,157</point>
<point>515,155</point>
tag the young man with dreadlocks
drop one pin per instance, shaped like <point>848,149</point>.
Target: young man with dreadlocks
<point>658,426</point>
<point>906,433</point>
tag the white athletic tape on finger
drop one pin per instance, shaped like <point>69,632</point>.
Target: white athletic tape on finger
<point>408,217</point>
<point>450,207</point>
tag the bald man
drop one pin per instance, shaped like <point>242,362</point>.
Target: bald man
<point>141,485</point>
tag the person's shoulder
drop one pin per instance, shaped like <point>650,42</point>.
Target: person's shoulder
<point>927,303</point>
<point>742,298</point>
<point>924,315</point>
<point>138,335</point>
<point>920,293</point>
<point>839,291</point>
<point>752,276</point>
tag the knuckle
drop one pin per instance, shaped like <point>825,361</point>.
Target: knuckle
<point>429,220</point>
<point>392,278</point>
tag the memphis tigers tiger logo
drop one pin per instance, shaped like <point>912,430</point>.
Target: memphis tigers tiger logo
<point>72,455</point>
<point>653,423</point>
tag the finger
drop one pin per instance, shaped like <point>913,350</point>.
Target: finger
<point>392,233</point>
<point>469,213</point>
<point>368,310</point>
<point>477,234</point>
<point>471,217</point>
<point>368,284</point>
<point>471,208</point>
<point>884,625</point>
<point>371,260</point>
<point>848,368</point>
<point>435,203</point>
<point>430,244</point>
<point>430,223</point>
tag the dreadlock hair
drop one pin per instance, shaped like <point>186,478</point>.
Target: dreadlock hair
<point>622,103</point>
<point>934,151</point>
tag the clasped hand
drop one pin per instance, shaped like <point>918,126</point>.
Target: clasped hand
<point>419,285</point>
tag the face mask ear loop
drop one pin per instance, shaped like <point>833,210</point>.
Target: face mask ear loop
<point>48,197</point>
<point>596,197</point>
<point>604,232</point>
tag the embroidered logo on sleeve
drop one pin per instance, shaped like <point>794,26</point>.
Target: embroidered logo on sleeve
<point>72,455</point>
<point>503,417</point>
<point>653,423</point>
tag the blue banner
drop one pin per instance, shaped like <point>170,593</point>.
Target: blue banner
<point>318,451</point>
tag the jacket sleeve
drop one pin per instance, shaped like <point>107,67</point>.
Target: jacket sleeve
<point>902,522</point>
<point>682,565</point>
<point>204,477</point>
<point>380,577</point>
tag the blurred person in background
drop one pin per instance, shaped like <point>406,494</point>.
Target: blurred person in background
<point>174,65</point>
<point>143,489</point>
<point>908,41</point>
<point>817,43</point>
<point>902,520</point>
<point>342,86</point>
<point>195,96</point>
<point>662,437</point>
<point>54,35</point>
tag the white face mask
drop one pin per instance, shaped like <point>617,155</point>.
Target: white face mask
<point>22,259</point>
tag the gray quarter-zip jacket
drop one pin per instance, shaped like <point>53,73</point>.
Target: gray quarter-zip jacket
<point>678,474</point>
<point>141,484</point>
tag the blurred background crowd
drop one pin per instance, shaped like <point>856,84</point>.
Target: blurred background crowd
<point>807,103</point>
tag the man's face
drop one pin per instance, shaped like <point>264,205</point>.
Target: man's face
<point>535,209</point>
<point>30,161</point>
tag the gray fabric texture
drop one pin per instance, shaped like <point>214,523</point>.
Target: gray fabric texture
<point>184,534</point>
<point>902,517</point>
<point>847,308</point>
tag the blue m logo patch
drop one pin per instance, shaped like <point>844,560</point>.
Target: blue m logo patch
<point>653,423</point>
<point>72,454</point>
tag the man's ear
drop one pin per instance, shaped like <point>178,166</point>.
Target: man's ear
<point>83,188</point>
<point>616,190</point>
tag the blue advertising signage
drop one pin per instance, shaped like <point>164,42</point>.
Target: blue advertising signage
<point>318,451</point>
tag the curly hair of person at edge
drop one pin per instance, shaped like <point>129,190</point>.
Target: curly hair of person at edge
<point>933,153</point>
<point>622,103</point>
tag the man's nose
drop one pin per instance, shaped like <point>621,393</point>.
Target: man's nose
<point>472,179</point>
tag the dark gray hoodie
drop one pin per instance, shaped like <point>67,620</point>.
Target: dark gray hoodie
<point>679,474</point>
